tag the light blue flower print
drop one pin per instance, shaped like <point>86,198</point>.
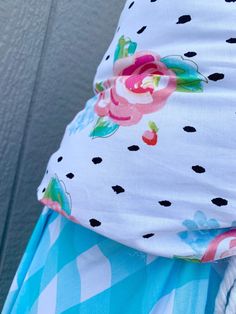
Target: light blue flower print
<point>200,231</point>
<point>84,117</point>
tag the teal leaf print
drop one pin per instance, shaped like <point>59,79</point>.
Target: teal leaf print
<point>125,47</point>
<point>189,79</point>
<point>104,128</point>
<point>84,117</point>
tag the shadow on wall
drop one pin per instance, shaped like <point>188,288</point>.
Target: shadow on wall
<point>49,54</point>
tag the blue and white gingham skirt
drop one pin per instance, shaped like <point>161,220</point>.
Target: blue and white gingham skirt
<point>67,268</point>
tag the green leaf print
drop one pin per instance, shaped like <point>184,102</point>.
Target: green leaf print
<point>99,87</point>
<point>56,192</point>
<point>125,47</point>
<point>104,128</point>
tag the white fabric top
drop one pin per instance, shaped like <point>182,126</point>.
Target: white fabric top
<point>151,160</point>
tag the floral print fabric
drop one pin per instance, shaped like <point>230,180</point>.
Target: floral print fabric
<point>141,84</point>
<point>150,161</point>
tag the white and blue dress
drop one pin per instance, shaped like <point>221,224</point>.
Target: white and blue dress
<point>140,197</point>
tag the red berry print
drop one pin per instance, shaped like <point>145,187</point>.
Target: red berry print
<point>150,137</point>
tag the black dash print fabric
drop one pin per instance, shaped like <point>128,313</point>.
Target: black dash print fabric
<point>151,159</point>
<point>184,19</point>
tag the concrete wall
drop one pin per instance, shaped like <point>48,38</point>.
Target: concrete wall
<point>49,51</point>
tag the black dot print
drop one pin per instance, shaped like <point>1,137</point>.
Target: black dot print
<point>107,57</point>
<point>118,189</point>
<point>231,40</point>
<point>216,77</point>
<point>148,235</point>
<point>230,0</point>
<point>47,171</point>
<point>94,222</point>
<point>190,54</point>
<point>165,203</point>
<point>133,148</point>
<point>70,175</point>
<point>189,129</point>
<point>198,169</point>
<point>97,160</point>
<point>153,0</point>
<point>219,201</point>
<point>43,190</point>
<point>184,19</point>
<point>118,28</point>
<point>141,30</point>
<point>60,159</point>
<point>131,4</point>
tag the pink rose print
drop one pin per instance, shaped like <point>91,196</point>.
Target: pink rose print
<point>141,84</point>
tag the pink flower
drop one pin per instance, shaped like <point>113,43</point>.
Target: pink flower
<point>141,84</point>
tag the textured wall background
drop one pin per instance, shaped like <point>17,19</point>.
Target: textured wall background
<point>49,51</point>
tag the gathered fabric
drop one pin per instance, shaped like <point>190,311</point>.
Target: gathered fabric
<point>69,269</point>
<point>150,162</point>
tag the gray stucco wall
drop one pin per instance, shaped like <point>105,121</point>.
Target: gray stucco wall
<point>49,51</point>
